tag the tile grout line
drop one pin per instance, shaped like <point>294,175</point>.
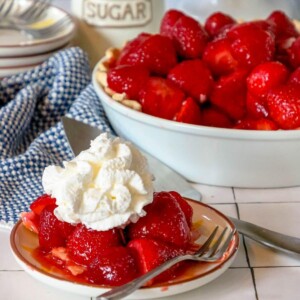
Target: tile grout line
<point>245,247</point>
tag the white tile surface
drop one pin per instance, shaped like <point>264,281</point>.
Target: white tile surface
<point>277,283</point>
<point>234,284</point>
<point>267,195</point>
<point>281,217</point>
<point>17,285</point>
<point>213,194</point>
<point>7,262</point>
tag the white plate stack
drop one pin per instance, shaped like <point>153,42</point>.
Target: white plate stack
<point>20,51</point>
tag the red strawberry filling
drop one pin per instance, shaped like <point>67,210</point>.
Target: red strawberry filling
<point>116,256</point>
<point>205,63</point>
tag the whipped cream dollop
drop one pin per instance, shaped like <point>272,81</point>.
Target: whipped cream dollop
<point>105,186</point>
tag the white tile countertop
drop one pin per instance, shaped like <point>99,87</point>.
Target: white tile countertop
<point>258,273</point>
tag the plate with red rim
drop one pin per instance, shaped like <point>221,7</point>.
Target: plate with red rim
<point>205,218</point>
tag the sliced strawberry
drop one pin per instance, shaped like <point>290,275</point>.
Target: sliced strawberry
<point>218,57</point>
<point>186,208</point>
<point>229,94</point>
<point>284,106</point>
<point>113,267</point>
<point>295,77</point>
<point>150,254</point>
<point>161,98</point>
<point>216,22</point>
<point>190,37</point>
<point>127,79</point>
<point>189,112</point>
<point>256,124</point>
<point>168,21</point>
<point>194,78</point>
<point>213,117</point>
<point>283,25</point>
<point>257,106</point>
<point>154,52</point>
<point>31,221</point>
<point>85,244</point>
<point>164,221</point>
<point>294,53</point>
<point>246,39</point>
<point>52,232</point>
<point>41,202</point>
<point>266,76</point>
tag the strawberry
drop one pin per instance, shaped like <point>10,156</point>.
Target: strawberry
<point>211,116</point>
<point>164,221</point>
<point>295,77</point>
<point>216,22</point>
<point>257,106</point>
<point>246,39</point>
<point>194,78</point>
<point>85,244</point>
<point>52,232</point>
<point>31,221</point>
<point>218,57</point>
<point>113,267</point>
<point>168,21</point>
<point>161,98</point>
<point>284,106</point>
<point>185,207</point>
<point>294,53</point>
<point>283,25</point>
<point>41,202</point>
<point>265,77</point>
<point>154,52</point>
<point>151,253</point>
<point>189,112</point>
<point>190,37</point>
<point>229,94</point>
<point>127,79</point>
<point>256,124</point>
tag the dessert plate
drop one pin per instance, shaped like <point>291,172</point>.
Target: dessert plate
<point>18,43</point>
<point>23,242</point>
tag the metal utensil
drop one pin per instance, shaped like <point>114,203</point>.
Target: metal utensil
<point>268,237</point>
<point>211,251</point>
<point>80,135</point>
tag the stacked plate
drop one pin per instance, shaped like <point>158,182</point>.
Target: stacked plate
<point>19,51</point>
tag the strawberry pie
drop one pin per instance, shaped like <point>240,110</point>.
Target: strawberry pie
<point>100,222</point>
<point>221,73</point>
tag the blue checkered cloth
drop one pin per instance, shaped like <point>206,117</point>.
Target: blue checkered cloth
<point>31,134</point>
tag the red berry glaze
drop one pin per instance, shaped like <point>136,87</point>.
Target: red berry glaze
<point>161,98</point>
<point>266,76</point>
<point>216,22</point>
<point>194,78</point>
<point>154,52</point>
<point>41,202</point>
<point>113,267</point>
<point>189,37</point>
<point>229,94</point>
<point>164,221</point>
<point>284,106</point>
<point>85,244</point>
<point>127,79</point>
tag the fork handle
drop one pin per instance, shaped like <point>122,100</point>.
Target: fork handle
<point>130,287</point>
<point>267,237</point>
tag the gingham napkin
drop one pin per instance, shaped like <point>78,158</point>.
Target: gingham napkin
<point>31,134</point>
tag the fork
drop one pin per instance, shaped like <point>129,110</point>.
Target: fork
<point>31,14</point>
<point>211,251</point>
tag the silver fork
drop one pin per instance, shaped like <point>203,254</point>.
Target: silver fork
<point>211,251</point>
<point>6,7</point>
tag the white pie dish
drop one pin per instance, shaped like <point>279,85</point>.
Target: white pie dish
<point>208,155</point>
